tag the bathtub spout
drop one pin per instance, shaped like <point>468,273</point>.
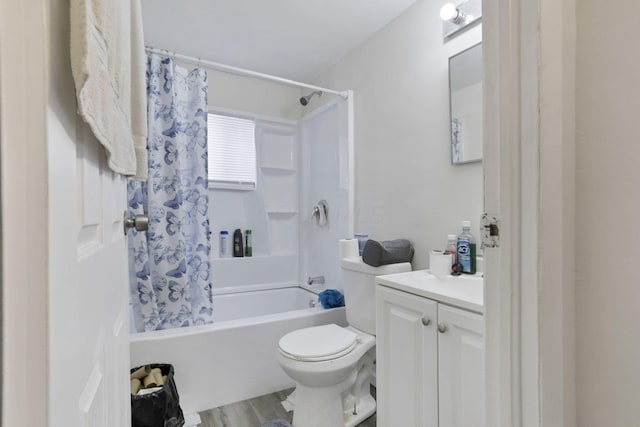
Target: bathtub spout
<point>317,279</point>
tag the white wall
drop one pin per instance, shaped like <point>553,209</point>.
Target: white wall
<point>253,95</point>
<point>554,297</point>
<point>607,206</point>
<point>405,184</point>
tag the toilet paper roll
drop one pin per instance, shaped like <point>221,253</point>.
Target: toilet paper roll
<point>135,385</point>
<point>149,381</point>
<point>440,264</point>
<point>349,248</point>
<point>141,372</point>
<point>362,240</point>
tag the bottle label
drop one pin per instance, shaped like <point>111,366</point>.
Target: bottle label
<point>223,246</point>
<point>454,255</point>
<point>467,256</point>
<point>248,250</point>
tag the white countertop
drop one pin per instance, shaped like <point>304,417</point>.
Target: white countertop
<point>463,291</point>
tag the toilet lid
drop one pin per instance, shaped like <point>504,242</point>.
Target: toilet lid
<point>318,343</point>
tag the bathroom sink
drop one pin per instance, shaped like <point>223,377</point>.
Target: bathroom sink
<point>464,291</point>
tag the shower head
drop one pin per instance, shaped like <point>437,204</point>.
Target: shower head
<point>305,99</point>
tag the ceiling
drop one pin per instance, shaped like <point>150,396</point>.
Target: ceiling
<point>295,39</point>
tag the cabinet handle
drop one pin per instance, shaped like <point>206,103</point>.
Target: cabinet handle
<point>442,328</point>
<point>426,321</point>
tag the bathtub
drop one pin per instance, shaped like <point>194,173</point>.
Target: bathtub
<point>234,358</point>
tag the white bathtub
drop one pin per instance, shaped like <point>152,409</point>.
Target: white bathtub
<point>234,358</point>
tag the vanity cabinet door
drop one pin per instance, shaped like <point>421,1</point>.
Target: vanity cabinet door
<point>407,359</point>
<point>461,368</point>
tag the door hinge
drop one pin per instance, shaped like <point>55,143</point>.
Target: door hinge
<point>490,229</point>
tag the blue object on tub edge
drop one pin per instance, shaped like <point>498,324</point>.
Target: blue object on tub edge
<point>330,298</point>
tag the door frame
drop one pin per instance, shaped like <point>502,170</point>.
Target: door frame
<point>529,51</point>
<point>502,196</point>
<point>512,192</point>
<point>24,44</point>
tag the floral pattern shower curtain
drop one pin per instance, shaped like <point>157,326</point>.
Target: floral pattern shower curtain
<point>170,281</point>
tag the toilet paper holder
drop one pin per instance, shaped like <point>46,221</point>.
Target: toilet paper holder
<point>320,212</point>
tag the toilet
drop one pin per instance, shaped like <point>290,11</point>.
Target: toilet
<point>332,365</point>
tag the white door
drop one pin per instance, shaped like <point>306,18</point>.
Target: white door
<point>88,290</point>
<point>406,359</point>
<point>461,368</point>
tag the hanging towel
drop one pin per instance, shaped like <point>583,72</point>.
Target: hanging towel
<point>108,65</point>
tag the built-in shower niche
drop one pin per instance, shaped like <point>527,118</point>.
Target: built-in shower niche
<point>277,157</point>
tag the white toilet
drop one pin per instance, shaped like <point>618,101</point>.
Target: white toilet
<point>332,365</point>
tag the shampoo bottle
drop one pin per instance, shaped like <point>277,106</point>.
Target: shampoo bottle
<point>224,244</point>
<point>466,249</point>
<point>238,248</point>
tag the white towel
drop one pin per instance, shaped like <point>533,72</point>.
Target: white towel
<point>108,65</point>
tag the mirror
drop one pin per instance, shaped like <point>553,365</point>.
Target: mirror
<point>465,100</point>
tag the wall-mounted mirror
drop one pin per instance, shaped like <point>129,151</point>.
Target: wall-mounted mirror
<point>465,100</point>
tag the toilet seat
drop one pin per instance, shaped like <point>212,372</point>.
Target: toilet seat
<point>318,343</point>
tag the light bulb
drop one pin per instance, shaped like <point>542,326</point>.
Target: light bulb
<point>448,12</point>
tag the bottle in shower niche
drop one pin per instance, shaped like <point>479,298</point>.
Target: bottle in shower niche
<point>466,248</point>
<point>248,244</point>
<point>224,244</point>
<point>238,247</point>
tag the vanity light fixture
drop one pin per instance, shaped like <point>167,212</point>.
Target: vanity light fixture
<point>459,17</point>
<point>449,12</point>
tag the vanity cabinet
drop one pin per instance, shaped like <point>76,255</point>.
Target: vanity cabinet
<point>430,363</point>
<point>460,368</point>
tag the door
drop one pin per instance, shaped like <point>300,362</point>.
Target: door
<point>461,368</point>
<point>407,359</point>
<point>88,280</point>
<point>88,283</point>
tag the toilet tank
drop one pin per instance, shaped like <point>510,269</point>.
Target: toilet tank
<point>360,290</point>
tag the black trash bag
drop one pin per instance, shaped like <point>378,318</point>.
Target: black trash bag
<point>160,408</point>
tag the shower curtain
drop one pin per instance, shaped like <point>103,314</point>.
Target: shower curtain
<point>170,283</point>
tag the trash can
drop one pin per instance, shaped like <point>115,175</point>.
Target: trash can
<point>160,408</point>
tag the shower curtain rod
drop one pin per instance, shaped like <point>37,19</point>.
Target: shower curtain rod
<point>242,72</point>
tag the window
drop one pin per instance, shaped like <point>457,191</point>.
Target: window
<point>232,152</point>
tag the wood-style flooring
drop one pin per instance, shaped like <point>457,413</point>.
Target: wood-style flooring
<point>254,412</point>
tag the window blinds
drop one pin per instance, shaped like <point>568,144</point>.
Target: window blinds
<point>232,152</point>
